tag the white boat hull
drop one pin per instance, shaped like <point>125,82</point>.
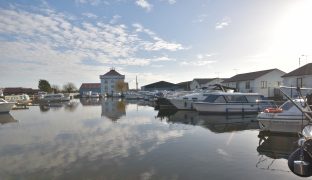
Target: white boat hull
<point>290,124</point>
<point>227,107</point>
<point>182,104</point>
<point>6,107</point>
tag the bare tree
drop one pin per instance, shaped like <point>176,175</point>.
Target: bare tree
<point>69,87</point>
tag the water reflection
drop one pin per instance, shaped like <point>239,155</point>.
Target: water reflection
<point>90,101</point>
<point>215,123</point>
<point>68,106</point>
<point>6,118</point>
<point>113,108</point>
<point>274,150</point>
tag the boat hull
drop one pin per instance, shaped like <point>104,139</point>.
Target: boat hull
<point>182,104</point>
<point>228,108</point>
<point>6,107</point>
<point>282,124</point>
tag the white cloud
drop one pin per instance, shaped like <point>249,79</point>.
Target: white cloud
<point>200,18</point>
<point>115,19</point>
<point>92,2</point>
<point>223,23</point>
<point>196,63</point>
<point>172,1</point>
<point>55,41</point>
<point>144,4</point>
<point>89,15</point>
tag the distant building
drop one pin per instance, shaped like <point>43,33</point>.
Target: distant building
<point>1,92</point>
<point>19,90</point>
<point>263,82</point>
<point>109,81</point>
<point>301,77</point>
<point>204,82</point>
<point>160,86</point>
<point>87,87</point>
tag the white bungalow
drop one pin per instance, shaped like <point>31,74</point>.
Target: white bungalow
<point>109,80</point>
<point>263,82</point>
<point>301,77</point>
<point>204,82</point>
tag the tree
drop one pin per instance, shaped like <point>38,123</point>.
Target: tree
<point>121,86</point>
<point>69,87</point>
<point>44,85</point>
<point>56,88</point>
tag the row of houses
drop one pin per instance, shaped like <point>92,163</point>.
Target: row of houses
<point>264,82</point>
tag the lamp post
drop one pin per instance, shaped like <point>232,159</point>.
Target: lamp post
<point>306,57</point>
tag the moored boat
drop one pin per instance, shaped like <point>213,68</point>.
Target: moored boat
<point>55,98</point>
<point>228,103</point>
<point>287,118</point>
<point>5,106</point>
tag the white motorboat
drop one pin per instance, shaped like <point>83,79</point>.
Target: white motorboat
<point>228,103</point>
<point>133,95</point>
<point>186,101</point>
<point>5,106</point>
<point>21,99</point>
<point>287,118</point>
<point>55,98</point>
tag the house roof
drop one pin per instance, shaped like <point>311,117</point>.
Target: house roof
<point>160,84</point>
<point>112,72</point>
<point>90,85</point>
<point>204,80</point>
<point>303,70</point>
<point>185,85</point>
<point>248,76</point>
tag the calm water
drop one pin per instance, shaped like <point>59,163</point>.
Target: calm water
<point>114,139</point>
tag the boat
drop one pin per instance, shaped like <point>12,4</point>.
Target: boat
<point>231,103</point>
<point>290,117</point>
<point>94,95</point>
<point>55,98</point>
<point>5,106</point>
<point>20,99</point>
<point>133,95</point>
<point>286,118</point>
<point>185,102</point>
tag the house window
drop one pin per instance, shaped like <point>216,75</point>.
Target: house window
<point>299,82</point>
<point>247,86</point>
<point>264,84</point>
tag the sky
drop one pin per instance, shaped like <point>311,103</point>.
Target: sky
<point>171,40</point>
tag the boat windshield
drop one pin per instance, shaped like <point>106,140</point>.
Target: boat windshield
<point>215,99</point>
<point>254,98</point>
<point>287,105</point>
<point>236,99</point>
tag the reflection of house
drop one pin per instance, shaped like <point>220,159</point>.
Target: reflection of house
<point>204,82</point>
<point>160,86</point>
<point>109,82</point>
<point>87,87</point>
<point>263,82</point>
<point>301,77</point>
<point>113,109</point>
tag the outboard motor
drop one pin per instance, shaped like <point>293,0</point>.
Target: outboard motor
<point>300,161</point>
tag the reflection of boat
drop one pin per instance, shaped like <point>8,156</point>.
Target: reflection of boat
<point>90,102</point>
<point>228,123</point>
<point>55,98</point>
<point>224,102</point>
<point>276,145</point>
<point>6,118</point>
<point>215,123</point>
<point>5,106</point>
<point>288,119</point>
<point>71,106</point>
<point>113,108</point>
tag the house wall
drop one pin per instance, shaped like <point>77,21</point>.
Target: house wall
<point>108,83</point>
<point>292,81</point>
<point>194,85</point>
<point>82,90</point>
<point>273,79</point>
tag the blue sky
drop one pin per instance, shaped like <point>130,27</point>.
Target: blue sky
<point>172,40</point>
